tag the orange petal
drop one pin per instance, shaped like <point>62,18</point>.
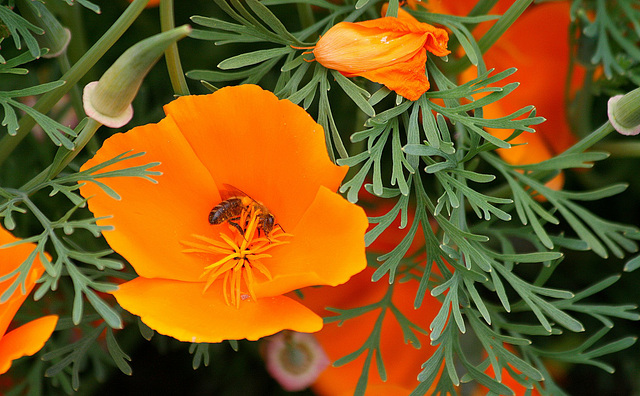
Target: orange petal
<point>25,340</point>
<point>10,259</point>
<point>407,79</point>
<point>437,38</point>
<point>181,310</point>
<point>270,149</point>
<point>151,219</point>
<point>353,48</point>
<point>327,247</point>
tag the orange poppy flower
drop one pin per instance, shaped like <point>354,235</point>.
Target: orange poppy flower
<point>200,282</point>
<point>31,337</point>
<point>543,65</point>
<point>390,51</point>
<point>401,361</point>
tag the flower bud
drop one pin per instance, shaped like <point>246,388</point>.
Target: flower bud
<point>390,51</point>
<point>624,112</point>
<point>109,99</point>
<point>56,37</point>
<point>294,359</point>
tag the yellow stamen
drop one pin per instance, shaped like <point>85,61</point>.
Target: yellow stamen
<point>238,256</point>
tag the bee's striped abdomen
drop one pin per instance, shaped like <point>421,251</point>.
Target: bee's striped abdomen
<point>225,210</point>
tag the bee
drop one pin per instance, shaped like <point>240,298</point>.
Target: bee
<point>228,210</point>
<point>231,208</point>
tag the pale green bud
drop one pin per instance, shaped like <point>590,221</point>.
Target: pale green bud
<point>109,99</point>
<point>56,37</point>
<point>624,112</point>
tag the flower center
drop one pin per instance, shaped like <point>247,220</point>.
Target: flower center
<point>241,254</point>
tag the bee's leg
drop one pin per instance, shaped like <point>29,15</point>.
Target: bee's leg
<point>266,235</point>
<point>237,227</point>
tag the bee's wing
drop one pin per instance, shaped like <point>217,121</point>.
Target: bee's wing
<point>229,191</point>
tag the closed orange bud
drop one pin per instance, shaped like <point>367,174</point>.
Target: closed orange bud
<point>390,51</point>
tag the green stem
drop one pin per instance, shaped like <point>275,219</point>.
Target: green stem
<point>623,149</point>
<point>494,33</point>
<point>76,97</point>
<point>588,141</point>
<point>64,156</point>
<point>501,26</point>
<point>68,155</point>
<point>482,7</point>
<point>305,14</point>
<point>580,147</point>
<point>174,67</point>
<point>580,119</point>
<point>583,145</point>
<point>47,101</point>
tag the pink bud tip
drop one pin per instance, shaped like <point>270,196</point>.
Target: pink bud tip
<point>294,359</point>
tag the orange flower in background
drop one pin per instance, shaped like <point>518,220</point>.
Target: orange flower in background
<point>203,282</point>
<point>541,56</point>
<point>390,51</point>
<point>31,337</point>
<point>401,361</point>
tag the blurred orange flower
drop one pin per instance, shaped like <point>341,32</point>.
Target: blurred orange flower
<point>402,362</point>
<point>543,66</point>
<point>390,51</point>
<point>200,282</point>
<point>31,337</point>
